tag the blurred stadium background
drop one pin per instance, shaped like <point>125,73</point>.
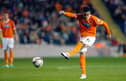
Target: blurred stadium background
<point>41,28</point>
<point>43,32</point>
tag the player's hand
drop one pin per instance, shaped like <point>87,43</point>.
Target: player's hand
<point>109,37</point>
<point>61,12</point>
<point>16,38</point>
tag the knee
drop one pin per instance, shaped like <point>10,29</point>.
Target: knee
<point>82,53</point>
<point>11,49</point>
<point>83,50</point>
<point>5,51</point>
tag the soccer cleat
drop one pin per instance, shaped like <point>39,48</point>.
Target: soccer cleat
<point>65,55</point>
<point>5,66</point>
<point>83,76</point>
<point>11,66</point>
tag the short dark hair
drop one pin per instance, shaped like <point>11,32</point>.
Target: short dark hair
<point>85,9</point>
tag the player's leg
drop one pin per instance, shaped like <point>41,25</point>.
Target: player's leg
<point>11,46</point>
<point>75,50</point>
<point>89,42</point>
<point>11,57</point>
<point>83,63</point>
<point>6,59</point>
<point>5,48</point>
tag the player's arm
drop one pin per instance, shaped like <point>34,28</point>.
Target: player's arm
<point>69,14</point>
<point>0,35</point>
<point>0,38</point>
<point>105,25</point>
<point>15,32</point>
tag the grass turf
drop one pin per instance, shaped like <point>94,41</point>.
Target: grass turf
<point>59,69</point>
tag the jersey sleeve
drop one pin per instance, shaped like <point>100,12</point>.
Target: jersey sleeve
<point>101,22</point>
<point>69,14</point>
<point>13,25</point>
<point>98,21</point>
<point>106,28</point>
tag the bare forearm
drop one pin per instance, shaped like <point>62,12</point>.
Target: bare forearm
<point>15,33</point>
<point>107,28</point>
<point>69,14</point>
<point>0,34</point>
<point>1,37</point>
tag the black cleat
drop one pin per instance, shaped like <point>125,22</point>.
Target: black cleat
<point>65,55</point>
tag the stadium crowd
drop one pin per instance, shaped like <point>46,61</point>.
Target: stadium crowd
<point>118,12</point>
<point>38,21</point>
<point>117,9</point>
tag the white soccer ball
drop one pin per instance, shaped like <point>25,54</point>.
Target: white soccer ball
<point>37,62</point>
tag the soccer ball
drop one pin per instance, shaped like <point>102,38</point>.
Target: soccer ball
<point>37,62</point>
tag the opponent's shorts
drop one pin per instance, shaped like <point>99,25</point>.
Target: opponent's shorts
<point>7,43</point>
<point>88,41</point>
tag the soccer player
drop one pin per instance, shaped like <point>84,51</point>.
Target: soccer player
<point>8,31</point>
<point>88,25</point>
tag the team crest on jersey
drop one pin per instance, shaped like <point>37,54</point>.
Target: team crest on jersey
<point>6,26</point>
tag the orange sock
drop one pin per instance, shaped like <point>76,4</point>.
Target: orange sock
<point>11,57</point>
<point>83,63</point>
<point>6,58</point>
<point>76,49</point>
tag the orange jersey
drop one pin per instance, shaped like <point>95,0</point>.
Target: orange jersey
<point>7,28</point>
<point>88,27</point>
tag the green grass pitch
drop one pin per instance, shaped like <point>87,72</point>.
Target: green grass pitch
<point>59,69</point>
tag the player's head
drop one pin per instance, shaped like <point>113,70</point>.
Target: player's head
<point>5,15</point>
<point>86,12</point>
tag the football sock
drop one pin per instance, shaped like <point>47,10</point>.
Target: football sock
<point>76,49</point>
<point>6,58</point>
<point>11,57</point>
<point>83,63</point>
